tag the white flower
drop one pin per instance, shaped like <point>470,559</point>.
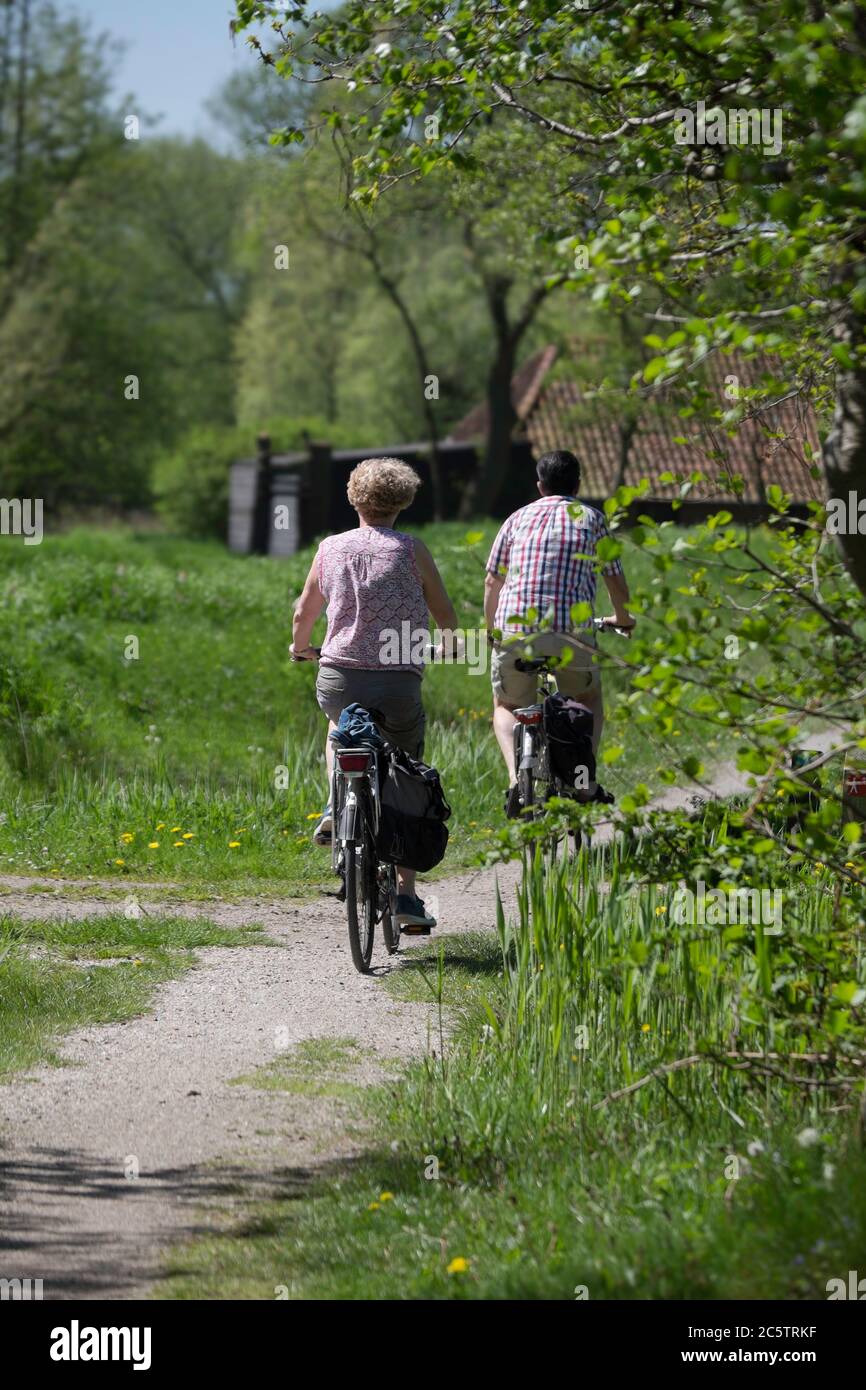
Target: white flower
<point>754,1148</point>
<point>807,1138</point>
<point>383,50</point>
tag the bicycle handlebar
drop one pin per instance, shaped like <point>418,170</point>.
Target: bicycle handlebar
<point>601,624</point>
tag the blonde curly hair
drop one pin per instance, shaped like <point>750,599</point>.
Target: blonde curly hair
<point>380,487</point>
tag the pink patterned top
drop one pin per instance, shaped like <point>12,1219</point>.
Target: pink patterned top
<point>376,607</point>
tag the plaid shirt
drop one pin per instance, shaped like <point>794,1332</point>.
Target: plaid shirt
<point>540,551</point>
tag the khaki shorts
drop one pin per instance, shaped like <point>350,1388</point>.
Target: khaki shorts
<point>393,698</point>
<point>518,688</point>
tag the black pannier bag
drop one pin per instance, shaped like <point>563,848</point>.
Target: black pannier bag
<point>568,728</point>
<point>412,829</point>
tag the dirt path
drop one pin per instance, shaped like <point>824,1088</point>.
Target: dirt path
<point>156,1090</point>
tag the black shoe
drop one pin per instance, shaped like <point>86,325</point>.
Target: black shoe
<point>412,916</point>
<point>512,803</point>
<point>599,795</point>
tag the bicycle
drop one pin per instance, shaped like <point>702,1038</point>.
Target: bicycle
<point>531,750</point>
<point>369,886</point>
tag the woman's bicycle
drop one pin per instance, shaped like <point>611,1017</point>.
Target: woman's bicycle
<point>536,780</point>
<point>369,886</point>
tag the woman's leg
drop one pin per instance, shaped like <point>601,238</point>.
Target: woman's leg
<point>406,881</point>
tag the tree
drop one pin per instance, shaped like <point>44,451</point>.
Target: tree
<point>718,145</point>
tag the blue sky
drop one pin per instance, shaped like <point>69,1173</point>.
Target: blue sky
<point>178,53</point>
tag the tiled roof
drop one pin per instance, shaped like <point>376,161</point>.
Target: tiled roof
<point>764,450</point>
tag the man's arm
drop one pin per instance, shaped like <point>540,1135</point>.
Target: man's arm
<point>307,610</point>
<point>493,584</point>
<point>617,588</point>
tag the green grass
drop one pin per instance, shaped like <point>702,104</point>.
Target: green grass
<point>195,732</point>
<point>316,1067</point>
<point>51,981</point>
<point>512,1148</point>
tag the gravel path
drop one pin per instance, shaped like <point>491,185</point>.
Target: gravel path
<point>156,1090</point>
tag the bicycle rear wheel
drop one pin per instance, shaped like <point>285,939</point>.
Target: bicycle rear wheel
<point>388,900</point>
<point>361,892</point>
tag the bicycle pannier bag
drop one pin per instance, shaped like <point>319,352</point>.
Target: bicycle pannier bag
<point>568,727</point>
<point>412,829</point>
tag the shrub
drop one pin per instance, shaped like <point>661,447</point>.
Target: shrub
<point>191,480</point>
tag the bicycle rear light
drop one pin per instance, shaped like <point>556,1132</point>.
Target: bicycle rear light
<point>353,761</point>
<point>528,716</point>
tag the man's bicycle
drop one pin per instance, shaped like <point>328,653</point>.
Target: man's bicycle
<point>536,780</point>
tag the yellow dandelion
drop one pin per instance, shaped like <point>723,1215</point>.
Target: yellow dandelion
<point>660,910</point>
<point>234,844</point>
<point>178,844</point>
<point>161,825</point>
<point>374,1206</point>
<point>190,835</point>
<point>645,1028</point>
<point>473,822</point>
<point>154,844</point>
<point>175,830</point>
<point>458,1265</point>
<point>127,837</point>
<point>121,862</point>
<point>386,1196</point>
<point>314,815</point>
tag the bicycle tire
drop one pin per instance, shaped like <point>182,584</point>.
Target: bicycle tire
<point>360,895</point>
<point>390,928</point>
<point>526,792</point>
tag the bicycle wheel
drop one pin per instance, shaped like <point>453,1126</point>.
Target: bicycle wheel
<point>361,893</point>
<point>388,900</point>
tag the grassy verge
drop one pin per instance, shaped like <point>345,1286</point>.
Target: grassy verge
<point>152,725</point>
<point>577,1132</point>
<point>61,975</point>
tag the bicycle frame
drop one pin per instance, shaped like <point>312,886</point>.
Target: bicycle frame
<point>346,784</point>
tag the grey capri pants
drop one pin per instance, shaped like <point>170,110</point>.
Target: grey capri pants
<point>392,697</point>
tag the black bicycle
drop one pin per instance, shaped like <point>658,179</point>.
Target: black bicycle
<point>370,886</point>
<point>536,780</point>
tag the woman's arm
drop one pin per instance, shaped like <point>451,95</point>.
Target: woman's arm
<point>435,594</point>
<point>307,610</point>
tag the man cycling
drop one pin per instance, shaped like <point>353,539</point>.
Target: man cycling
<point>540,566</point>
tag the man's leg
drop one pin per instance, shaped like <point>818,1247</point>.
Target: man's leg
<point>511,690</point>
<point>503,727</point>
<point>594,702</point>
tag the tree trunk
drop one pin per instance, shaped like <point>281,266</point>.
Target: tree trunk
<point>845,448</point>
<point>485,486</point>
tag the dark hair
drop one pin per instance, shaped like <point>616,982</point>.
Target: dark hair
<point>559,472</point>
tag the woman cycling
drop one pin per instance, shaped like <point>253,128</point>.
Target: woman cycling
<point>374,580</point>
